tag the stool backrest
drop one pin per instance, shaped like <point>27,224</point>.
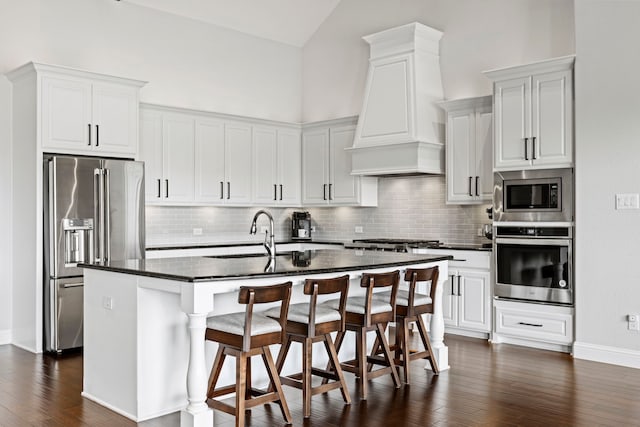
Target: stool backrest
<point>380,280</point>
<point>315,287</point>
<point>251,295</point>
<point>415,275</point>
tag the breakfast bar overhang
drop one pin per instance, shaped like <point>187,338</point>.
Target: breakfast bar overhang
<point>145,321</point>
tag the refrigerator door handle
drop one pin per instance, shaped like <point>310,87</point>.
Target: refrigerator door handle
<point>97,214</point>
<point>107,213</point>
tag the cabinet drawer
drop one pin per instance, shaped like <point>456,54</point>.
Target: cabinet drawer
<point>534,321</point>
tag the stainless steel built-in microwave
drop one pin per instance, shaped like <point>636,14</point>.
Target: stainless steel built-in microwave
<point>533,195</point>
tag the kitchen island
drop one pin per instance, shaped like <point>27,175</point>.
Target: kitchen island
<point>144,321</point>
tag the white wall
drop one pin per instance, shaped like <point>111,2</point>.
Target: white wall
<point>607,162</point>
<point>5,212</point>
<point>187,63</point>
<point>478,36</point>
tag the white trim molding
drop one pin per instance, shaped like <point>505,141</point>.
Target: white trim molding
<point>5,336</point>
<point>607,354</point>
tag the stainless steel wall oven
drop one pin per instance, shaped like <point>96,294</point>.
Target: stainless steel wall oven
<point>534,263</point>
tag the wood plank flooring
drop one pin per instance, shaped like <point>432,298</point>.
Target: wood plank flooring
<point>488,385</point>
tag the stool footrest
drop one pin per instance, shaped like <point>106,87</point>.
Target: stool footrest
<point>222,391</point>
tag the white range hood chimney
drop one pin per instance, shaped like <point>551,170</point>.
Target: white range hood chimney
<point>400,128</point>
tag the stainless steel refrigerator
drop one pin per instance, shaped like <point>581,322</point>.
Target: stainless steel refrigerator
<point>93,212</point>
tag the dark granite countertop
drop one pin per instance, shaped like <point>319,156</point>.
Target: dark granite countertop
<point>224,267</point>
<point>171,246</point>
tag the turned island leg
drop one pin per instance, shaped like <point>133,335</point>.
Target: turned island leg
<point>436,327</point>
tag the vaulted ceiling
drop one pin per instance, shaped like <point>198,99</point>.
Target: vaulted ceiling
<point>287,21</point>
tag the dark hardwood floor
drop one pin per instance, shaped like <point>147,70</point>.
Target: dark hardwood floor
<point>488,385</point>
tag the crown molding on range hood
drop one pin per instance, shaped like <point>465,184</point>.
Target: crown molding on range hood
<point>400,129</point>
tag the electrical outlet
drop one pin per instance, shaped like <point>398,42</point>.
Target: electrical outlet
<point>197,231</point>
<point>107,303</point>
<point>359,229</point>
<point>479,232</point>
<point>634,322</point>
<point>264,229</point>
<point>628,201</point>
<point>313,228</point>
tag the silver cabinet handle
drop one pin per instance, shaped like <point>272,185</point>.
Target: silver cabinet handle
<point>221,190</point>
<point>330,197</point>
<point>89,139</point>
<point>530,324</point>
<point>477,179</point>
<point>452,291</point>
<point>159,185</point>
<point>324,191</point>
<point>166,188</point>
<point>459,287</point>
<point>470,193</point>
<point>533,148</point>
<point>228,190</point>
<point>275,192</point>
<point>97,135</point>
<point>526,148</point>
<point>280,191</point>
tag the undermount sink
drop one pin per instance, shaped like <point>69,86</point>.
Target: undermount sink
<point>230,256</point>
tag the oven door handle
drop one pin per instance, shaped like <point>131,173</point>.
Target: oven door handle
<point>533,241</point>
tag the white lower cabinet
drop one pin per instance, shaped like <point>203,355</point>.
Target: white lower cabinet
<point>535,325</point>
<point>466,297</point>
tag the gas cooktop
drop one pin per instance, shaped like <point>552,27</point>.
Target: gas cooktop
<point>396,245</point>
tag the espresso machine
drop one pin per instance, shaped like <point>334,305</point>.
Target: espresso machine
<point>301,226</point>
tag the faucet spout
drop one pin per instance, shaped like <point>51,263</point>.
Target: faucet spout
<point>269,238</point>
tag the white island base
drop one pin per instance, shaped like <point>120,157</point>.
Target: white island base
<point>144,349</point>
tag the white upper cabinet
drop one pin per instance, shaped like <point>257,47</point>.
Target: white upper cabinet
<point>533,115</point>
<point>87,113</point>
<point>326,168</point>
<point>237,156</point>
<point>209,161</point>
<point>167,149</point>
<point>469,150</point>
<point>276,166</point>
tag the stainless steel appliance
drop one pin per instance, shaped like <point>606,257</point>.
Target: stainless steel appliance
<point>301,226</point>
<point>392,245</point>
<point>93,212</point>
<point>533,195</point>
<point>534,263</point>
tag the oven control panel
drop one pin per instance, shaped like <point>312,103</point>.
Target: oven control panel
<point>533,231</point>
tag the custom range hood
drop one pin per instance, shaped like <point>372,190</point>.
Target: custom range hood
<point>400,128</point>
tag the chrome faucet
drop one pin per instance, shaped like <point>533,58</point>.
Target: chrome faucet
<point>269,239</point>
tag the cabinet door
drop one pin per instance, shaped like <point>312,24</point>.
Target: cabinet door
<point>178,139</point>
<point>450,300</point>
<point>151,154</point>
<point>315,167</point>
<point>238,163</point>
<point>461,167</point>
<point>115,118</point>
<point>484,154</point>
<point>512,123</point>
<point>209,161</point>
<point>343,187</point>
<point>289,167</point>
<point>265,176</point>
<point>474,301</point>
<point>552,119</point>
<point>66,114</point>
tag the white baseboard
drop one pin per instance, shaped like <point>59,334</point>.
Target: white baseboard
<point>5,336</point>
<point>607,354</point>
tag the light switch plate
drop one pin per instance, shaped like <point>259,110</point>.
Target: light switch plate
<point>359,229</point>
<point>627,201</point>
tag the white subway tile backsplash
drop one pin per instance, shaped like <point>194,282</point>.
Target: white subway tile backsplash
<point>408,207</point>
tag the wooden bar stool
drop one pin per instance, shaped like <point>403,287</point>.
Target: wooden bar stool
<point>363,314</point>
<point>243,335</point>
<point>308,323</point>
<point>410,306</point>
